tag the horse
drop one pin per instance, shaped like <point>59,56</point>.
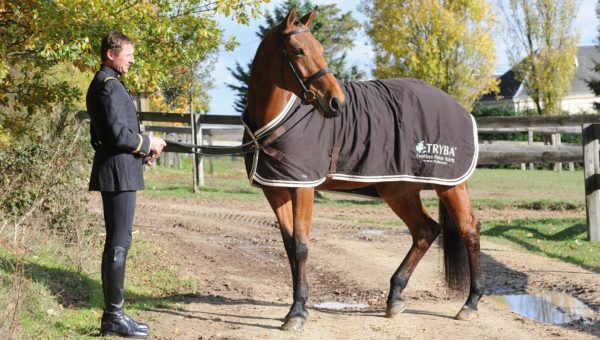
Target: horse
<point>289,67</point>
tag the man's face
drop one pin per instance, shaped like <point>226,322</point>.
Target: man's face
<point>123,60</point>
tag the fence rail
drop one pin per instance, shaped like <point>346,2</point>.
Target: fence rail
<point>536,121</point>
<point>498,154</point>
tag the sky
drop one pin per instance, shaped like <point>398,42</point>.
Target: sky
<point>222,98</point>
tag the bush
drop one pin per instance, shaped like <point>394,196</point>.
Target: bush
<point>41,180</point>
<point>493,111</point>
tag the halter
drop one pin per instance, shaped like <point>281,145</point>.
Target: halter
<point>307,95</point>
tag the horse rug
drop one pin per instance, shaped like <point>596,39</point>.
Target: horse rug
<point>388,130</point>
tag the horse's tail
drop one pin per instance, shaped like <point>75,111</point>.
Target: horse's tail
<point>456,259</point>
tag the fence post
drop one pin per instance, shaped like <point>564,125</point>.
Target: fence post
<point>198,168</point>
<point>209,139</point>
<point>591,165</point>
<point>557,141</point>
<point>530,142</point>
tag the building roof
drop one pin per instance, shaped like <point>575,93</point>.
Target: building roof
<point>586,59</point>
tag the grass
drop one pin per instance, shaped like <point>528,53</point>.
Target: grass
<point>54,300</point>
<point>563,239</point>
<point>489,188</point>
<point>517,185</point>
<point>228,177</point>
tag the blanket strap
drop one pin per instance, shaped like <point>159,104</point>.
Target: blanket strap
<point>335,153</point>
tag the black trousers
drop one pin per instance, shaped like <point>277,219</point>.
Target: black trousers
<point>119,209</point>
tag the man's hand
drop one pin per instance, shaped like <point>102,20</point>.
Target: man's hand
<point>151,160</point>
<point>156,146</point>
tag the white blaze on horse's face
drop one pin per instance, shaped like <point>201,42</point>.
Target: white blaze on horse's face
<point>306,72</point>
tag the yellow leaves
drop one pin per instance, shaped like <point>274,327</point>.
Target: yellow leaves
<point>5,138</point>
<point>542,31</point>
<point>239,9</point>
<point>3,70</point>
<point>445,43</point>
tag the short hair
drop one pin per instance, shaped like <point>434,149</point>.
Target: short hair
<point>113,41</point>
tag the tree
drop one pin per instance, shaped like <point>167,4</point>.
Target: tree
<point>45,46</point>
<point>37,35</point>
<point>594,84</point>
<point>332,29</point>
<point>542,48</point>
<point>445,43</point>
<point>184,83</point>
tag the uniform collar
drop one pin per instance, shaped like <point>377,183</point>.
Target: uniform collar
<point>110,71</point>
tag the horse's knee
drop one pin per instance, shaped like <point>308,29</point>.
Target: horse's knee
<point>301,250</point>
<point>422,244</point>
<point>426,236</point>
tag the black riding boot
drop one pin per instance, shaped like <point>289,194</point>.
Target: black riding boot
<point>105,269</point>
<point>114,320</point>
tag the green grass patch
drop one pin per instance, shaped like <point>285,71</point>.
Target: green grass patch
<point>519,185</point>
<point>489,188</point>
<point>563,239</point>
<point>54,300</point>
<point>226,179</point>
<point>535,204</point>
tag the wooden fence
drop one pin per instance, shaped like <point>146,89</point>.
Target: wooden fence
<point>489,153</point>
<point>494,153</point>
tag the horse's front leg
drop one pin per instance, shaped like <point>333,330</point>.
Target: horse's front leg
<point>293,208</point>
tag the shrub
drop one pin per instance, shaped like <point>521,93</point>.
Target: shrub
<point>41,181</point>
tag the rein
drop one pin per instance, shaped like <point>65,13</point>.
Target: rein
<point>307,95</point>
<point>204,150</point>
<point>256,142</point>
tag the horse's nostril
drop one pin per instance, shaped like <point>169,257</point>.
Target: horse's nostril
<point>334,104</point>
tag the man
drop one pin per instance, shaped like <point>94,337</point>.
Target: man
<point>117,172</point>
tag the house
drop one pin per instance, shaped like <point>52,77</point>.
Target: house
<point>581,98</point>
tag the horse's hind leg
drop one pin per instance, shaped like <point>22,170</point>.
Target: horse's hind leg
<point>456,200</point>
<point>405,201</point>
<point>293,208</point>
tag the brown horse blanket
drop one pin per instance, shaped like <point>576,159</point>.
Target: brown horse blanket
<point>388,130</point>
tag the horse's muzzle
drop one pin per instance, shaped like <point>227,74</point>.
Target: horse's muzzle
<point>334,108</point>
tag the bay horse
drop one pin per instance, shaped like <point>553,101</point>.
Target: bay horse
<point>288,67</point>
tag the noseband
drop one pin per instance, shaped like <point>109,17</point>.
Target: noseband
<point>307,95</point>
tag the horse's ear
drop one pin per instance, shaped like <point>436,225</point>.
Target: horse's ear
<point>308,18</point>
<point>291,18</point>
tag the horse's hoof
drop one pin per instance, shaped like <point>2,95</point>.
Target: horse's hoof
<point>293,324</point>
<point>467,313</point>
<point>394,308</point>
<point>304,315</point>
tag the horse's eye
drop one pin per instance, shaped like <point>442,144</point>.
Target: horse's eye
<point>298,51</point>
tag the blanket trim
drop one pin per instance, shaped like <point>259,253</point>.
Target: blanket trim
<point>264,130</point>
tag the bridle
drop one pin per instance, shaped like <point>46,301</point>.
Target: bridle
<point>307,95</point>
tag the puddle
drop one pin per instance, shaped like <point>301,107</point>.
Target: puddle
<point>334,305</point>
<point>373,232</point>
<point>556,308</point>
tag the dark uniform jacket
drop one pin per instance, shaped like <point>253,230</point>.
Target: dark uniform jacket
<point>115,135</point>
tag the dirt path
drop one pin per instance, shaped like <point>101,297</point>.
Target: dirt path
<point>234,251</point>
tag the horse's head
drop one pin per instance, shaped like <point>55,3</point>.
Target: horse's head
<point>303,68</point>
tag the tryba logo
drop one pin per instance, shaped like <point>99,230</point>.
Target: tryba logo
<point>437,153</point>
